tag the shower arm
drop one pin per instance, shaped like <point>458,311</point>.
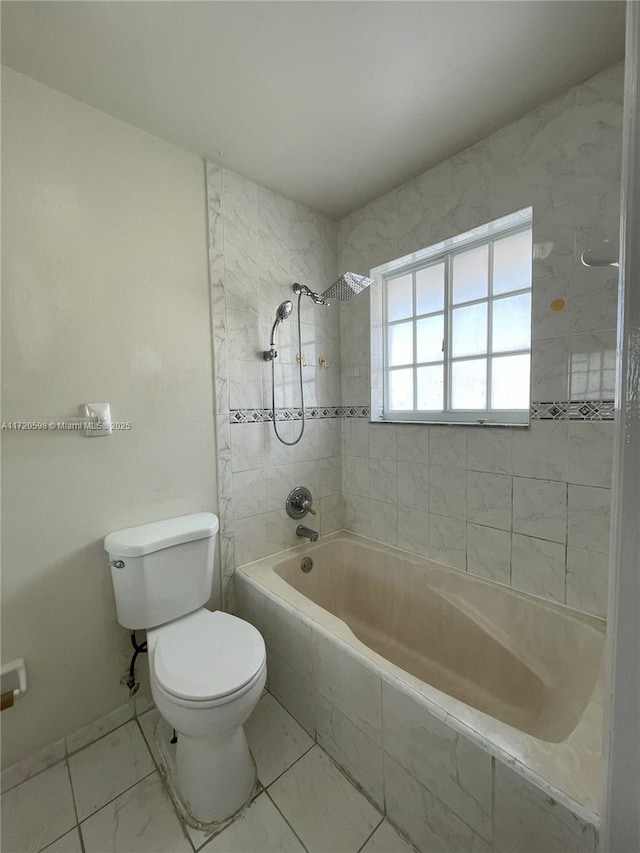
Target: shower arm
<point>303,290</point>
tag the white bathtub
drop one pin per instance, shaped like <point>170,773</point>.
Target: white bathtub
<point>442,673</point>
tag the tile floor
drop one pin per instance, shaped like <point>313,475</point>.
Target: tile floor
<point>108,796</point>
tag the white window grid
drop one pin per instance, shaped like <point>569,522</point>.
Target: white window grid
<point>447,414</point>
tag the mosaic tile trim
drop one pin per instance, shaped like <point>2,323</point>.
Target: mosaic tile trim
<point>577,410</point>
<point>559,410</point>
<point>312,413</point>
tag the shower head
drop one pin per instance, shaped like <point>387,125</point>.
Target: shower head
<point>347,286</point>
<point>283,311</point>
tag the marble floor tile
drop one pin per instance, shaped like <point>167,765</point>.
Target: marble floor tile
<point>141,820</point>
<point>325,810</point>
<point>260,829</point>
<point>148,723</point>
<point>387,840</point>
<point>69,843</point>
<point>108,767</point>
<point>38,811</point>
<point>275,739</point>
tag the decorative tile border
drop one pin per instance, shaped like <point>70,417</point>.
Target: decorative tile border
<point>576,410</point>
<point>312,413</point>
<point>559,410</point>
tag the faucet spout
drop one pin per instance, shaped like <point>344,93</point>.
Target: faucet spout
<point>306,533</point>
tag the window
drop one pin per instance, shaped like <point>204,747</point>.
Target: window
<point>455,323</point>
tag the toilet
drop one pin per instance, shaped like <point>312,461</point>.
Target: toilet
<point>207,669</point>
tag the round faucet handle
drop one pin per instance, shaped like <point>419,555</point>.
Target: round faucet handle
<point>305,504</point>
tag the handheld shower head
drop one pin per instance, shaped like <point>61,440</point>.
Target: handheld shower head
<point>283,311</point>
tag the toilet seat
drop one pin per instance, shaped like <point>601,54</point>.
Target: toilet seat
<point>207,656</point>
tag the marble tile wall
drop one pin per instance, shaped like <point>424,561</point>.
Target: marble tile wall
<point>530,507</point>
<point>438,786</point>
<point>259,244</point>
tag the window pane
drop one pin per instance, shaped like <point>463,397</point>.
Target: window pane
<point>430,388</point>
<point>401,344</point>
<point>512,262</point>
<point>400,297</point>
<point>512,323</point>
<point>430,333</point>
<point>469,384</point>
<point>430,289</point>
<point>470,273</point>
<point>401,389</point>
<point>510,382</point>
<point>469,330</point>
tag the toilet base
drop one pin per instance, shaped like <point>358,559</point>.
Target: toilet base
<point>210,779</point>
<point>215,774</point>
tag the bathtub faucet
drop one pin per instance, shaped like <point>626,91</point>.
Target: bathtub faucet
<point>306,533</point>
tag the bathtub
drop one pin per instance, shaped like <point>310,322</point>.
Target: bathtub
<point>485,697</point>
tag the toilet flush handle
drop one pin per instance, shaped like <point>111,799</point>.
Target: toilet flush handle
<point>117,564</point>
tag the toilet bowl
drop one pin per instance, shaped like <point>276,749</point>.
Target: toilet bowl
<point>207,673</point>
<point>207,669</point>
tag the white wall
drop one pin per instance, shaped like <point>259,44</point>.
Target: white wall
<point>530,507</point>
<point>105,298</point>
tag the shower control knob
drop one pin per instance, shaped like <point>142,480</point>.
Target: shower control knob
<point>299,502</point>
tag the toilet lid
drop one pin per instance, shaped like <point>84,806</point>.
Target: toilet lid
<point>208,655</point>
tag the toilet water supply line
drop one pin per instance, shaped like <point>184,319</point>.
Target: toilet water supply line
<point>131,682</point>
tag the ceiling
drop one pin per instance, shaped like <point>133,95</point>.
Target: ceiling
<point>331,103</point>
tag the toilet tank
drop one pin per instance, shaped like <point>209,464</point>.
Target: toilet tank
<point>163,570</point>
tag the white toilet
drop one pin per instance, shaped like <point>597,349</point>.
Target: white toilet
<point>207,670</point>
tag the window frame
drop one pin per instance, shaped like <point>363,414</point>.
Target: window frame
<point>486,236</point>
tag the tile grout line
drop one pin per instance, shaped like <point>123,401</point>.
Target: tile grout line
<point>165,788</point>
<point>35,775</point>
<point>75,811</point>
<point>146,742</point>
<point>101,737</point>
<point>284,818</point>
<point>137,782</point>
<point>280,775</point>
<point>73,794</point>
<point>441,801</point>
<point>371,834</point>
